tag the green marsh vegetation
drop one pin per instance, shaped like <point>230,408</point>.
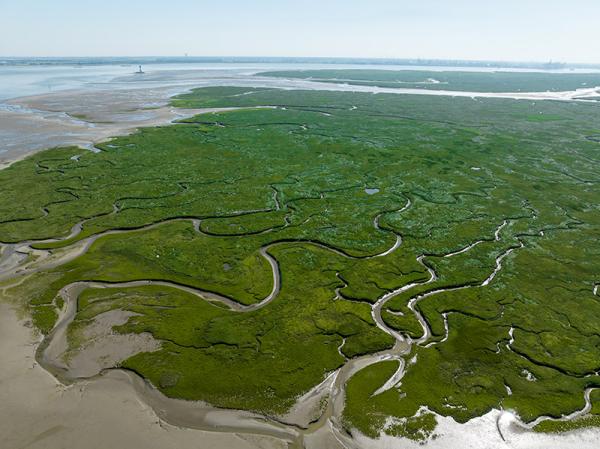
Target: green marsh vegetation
<point>450,80</point>
<point>371,414</point>
<point>504,208</point>
<point>591,420</point>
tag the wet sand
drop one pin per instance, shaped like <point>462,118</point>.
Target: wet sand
<point>102,348</point>
<point>83,118</point>
<point>38,412</point>
<point>477,434</point>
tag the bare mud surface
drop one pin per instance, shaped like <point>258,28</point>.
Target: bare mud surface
<point>102,348</point>
<point>38,412</point>
<point>310,406</point>
<point>83,118</point>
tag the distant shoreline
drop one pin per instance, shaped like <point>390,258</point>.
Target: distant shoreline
<point>92,110</point>
<point>111,60</point>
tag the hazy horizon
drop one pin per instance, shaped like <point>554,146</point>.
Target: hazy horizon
<point>359,60</point>
<point>538,31</point>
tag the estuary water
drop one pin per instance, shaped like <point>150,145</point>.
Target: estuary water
<point>44,105</point>
<point>35,79</point>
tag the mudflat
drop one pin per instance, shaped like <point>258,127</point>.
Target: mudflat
<point>39,412</point>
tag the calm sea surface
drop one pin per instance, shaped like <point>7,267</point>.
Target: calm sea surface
<point>32,79</point>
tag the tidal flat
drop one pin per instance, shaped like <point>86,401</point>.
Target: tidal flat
<point>250,244</point>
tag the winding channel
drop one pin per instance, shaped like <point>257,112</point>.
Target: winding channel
<point>21,259</point>
<point>187,413</point>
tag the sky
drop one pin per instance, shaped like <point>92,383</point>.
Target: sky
<point>504,30</point>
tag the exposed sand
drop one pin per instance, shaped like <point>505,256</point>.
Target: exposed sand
<point>82,118</point>
<point>310,405</point>
<point>479,434</point>
<point>103,348</point>
<point>37,412</point>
